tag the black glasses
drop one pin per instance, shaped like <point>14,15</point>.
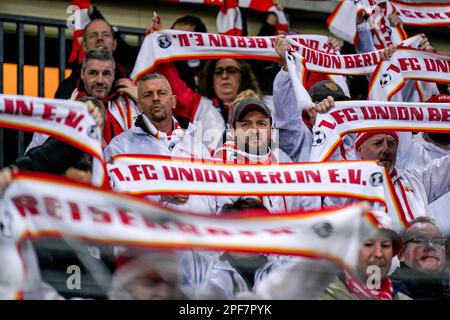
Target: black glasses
<point>424,240</point>
<point>228,70</point>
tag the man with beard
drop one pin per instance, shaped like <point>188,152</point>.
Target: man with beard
<point>157,132</point>
<point>97,80</point>
<point>421,274</point>
<point>415,188</point>
<point>250,143</point>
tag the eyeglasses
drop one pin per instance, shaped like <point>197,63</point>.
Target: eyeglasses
<point>228,70</point>
<point>423,240</point>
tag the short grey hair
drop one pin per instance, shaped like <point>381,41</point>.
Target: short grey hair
<point>407,233</point>
<point>101,54</point>
<point>152,76</point>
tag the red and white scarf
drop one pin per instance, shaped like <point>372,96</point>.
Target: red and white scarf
<point>233,21</point>
<point>65,120</point>
<point>80,19</point>
<point>229,19</point>
<point>360,116</point>
<point>342,21</point>
<point>143,175</point>
<point>378,11</point>
<point>423,14</point>
<point>173,136</point>
<point>409,64</point>
<point>230,153</point>
<point>360,291</point>
<point>36,206</point>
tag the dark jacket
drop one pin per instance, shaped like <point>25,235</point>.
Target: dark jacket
<point>419,285</point>
<point>54,156</point>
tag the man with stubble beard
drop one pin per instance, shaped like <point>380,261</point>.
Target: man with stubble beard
<point>157,132</point>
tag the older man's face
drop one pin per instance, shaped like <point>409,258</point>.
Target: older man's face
<point>381,147</point>
<point>99,35</point>
<point>424,249</point>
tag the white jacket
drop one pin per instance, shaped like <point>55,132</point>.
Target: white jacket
<point>294,136</point>
<point>137,141</point>
<point>208,277</point>
<point>415,151</point>
<point>415,188</point>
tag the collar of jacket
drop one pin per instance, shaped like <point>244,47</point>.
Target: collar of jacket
<point>141,124</point>
<point>418,284</point>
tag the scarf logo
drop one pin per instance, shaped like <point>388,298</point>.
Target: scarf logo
<point>385,80</point>
<point>164,41</point>
<point>6,224</point>
<point>323,229</point>
<point>376,179</point>
<point>291,57</point>
<point>319,138</point>
<point>92,132</point>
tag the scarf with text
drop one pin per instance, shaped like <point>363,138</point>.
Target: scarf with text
<point>342,21</point>
<point>230,153</point>
<point>36,206</point>
<point>389,77</point>
<point>172,45</point>
<point>78,21</point>
<point>423,14</point>
<point>65,120</point>
<point>154,175</point>
<point>361,116</point>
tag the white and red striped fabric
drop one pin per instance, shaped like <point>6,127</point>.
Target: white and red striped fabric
<point>342,21</point>
<point>37,206</point>
<point>427,14</point>
<point>267,6</point>
<point>229,19</point>
<point>258,5</point>
<point>80,20</point>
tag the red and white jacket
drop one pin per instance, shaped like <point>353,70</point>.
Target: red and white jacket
<point>121,111</point>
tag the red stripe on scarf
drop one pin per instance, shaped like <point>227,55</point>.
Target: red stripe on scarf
<point>361,292</point>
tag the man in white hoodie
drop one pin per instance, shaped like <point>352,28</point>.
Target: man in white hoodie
<point>157,132</point>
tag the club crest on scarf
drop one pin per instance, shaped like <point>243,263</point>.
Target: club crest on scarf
<point>319,138</point>
<point>376,179</point>
<point>323,229</point>
<point>385,80</point>
<point>164,41</point>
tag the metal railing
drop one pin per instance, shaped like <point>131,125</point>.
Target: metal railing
<point>41,24</point>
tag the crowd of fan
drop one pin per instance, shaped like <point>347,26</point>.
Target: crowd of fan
<point>246,102</point>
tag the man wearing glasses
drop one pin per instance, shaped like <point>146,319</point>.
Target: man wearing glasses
<point>422,273</point>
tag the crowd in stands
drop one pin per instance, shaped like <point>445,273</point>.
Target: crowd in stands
<point>251,107</point>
